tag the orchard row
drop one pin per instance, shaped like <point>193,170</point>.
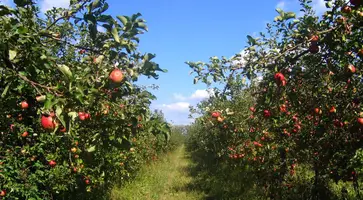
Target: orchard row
<point>290,112</point>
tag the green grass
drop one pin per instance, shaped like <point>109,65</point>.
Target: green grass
<point>167,178</point>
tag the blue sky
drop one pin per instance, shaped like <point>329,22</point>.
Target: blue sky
<point>191,30</point>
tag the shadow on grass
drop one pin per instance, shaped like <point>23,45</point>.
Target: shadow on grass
<point>210,179</point>
<point>197,182</point>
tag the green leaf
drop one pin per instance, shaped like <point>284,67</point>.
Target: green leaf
<point>142,26</point>
<point>279,10</point>
<point>91,149</point>
<point>278,18</point>
<point>48,103</point>
<point>96,4</point>
<point>5,90</point>
<point>73,115</point>
<point>43,57</point>
<point>93,31</point>
<point>111,138</point>
<point>66,71</point>
<point>289,15</point>
<point>130,71</point>
<point>21,3</point>
<point>99,59</point>
<point>12,54</point>
<point>293,23</point>
<point>58,110</point>
<point>104,18</point>
<point>4,10</point>
<point>123,20</point>
<point>135,16</point>
<point>115,34</point>
<point>104,8</point>
<point>251,40</point>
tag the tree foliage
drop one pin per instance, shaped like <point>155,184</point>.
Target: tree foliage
<point>70,123</point>
<point>304,74</point>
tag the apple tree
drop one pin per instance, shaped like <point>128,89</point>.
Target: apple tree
<point>73,117</point>
<point>304,74</point>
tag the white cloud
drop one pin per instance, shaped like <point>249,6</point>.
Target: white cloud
<point>281,5</point>
<point>178,106</point>
<point>178,111</point>
<point>197,95</point>
<point>179,97</point>
<point>239,60</point>
<point>49,4</point>
<point>200,94</point>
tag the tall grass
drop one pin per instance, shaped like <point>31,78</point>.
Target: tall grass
<point>168,179</point>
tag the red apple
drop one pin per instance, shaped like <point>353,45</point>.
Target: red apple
<point>74,169</point>
<point>333,110</point>
<point>294,118</point>
<point>216,114</point>
<point>360,52</point>
<point>24,105</point>
<point>87,115</point>
<point>87,181</point>
<point>82,117</point>
<point>48,122</point>
<point>346,9</point>
<point>25,134</point>
<point>257,144</point>
<point>3,193</point>
<point>252,109</point>
<point>283,108</point>
<point>297,126</point>
<point>317,111</point>
<point>338,123</point>
<point>63,129</point>
<point>360,120</point>
<point>280,79</point>
<point>266,113</point>
<point>12,127</point>
<point>116,76</point>
<point>351,68</point>
<point>52,163</point>
<point>314,38</point>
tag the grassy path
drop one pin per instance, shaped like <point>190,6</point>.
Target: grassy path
<point>167,179</point>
